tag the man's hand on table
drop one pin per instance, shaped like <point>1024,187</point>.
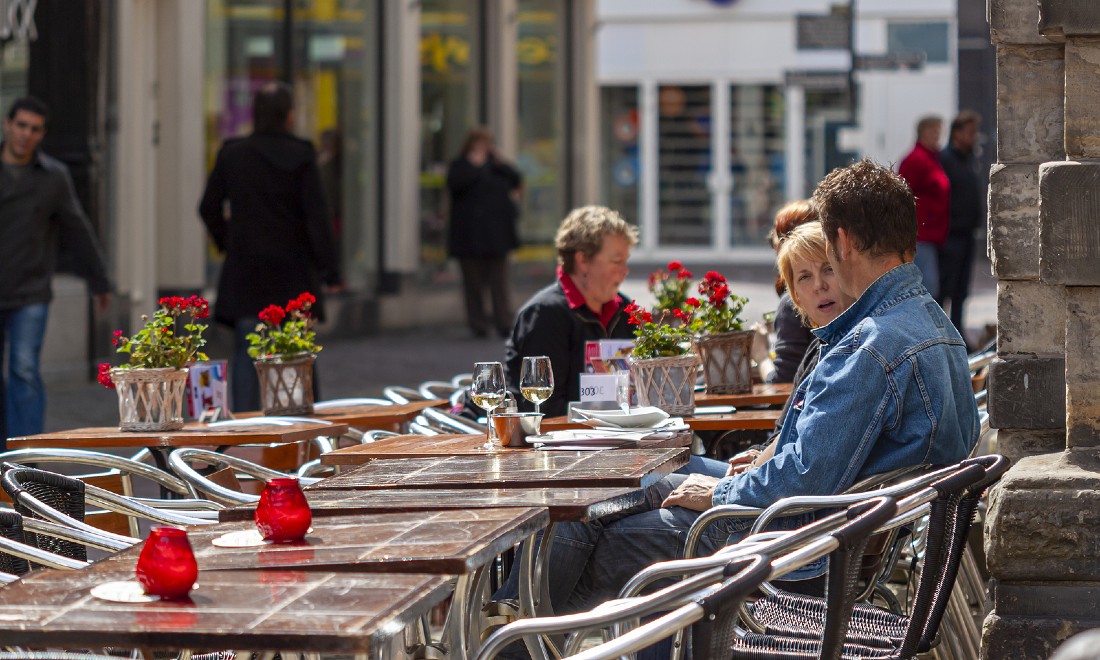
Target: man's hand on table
<point>695,493</point>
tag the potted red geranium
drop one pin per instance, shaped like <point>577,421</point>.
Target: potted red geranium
<point>725,348</point>
<point>283,348</point>
<point>662,364</point>
<point>151,385</point>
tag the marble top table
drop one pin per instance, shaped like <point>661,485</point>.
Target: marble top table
<point>564,504</point>
<point>256,610</point>
<point>637,468</point>
<point>741,420</point>
<point>193,434</point>
<point>422,446</point>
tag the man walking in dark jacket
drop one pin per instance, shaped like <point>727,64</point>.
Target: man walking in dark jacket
<point>967,213</point>
<point>265,209</point>
<point>38,211</point>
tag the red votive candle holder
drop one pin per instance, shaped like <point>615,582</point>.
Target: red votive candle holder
<point>166,566</point>
<point>283,513</point>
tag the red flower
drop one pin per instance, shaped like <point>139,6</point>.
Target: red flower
<point>273,315</point>
<point>199,306</point>
<point>714,277</point>
<point>293,306</point>
<point>646,317</point>
<point>693,302</point>
<point>685,274</point>
<point>103,375</point>
<point>306,298</point>
<point>675,266</point>
<point>681,314</point>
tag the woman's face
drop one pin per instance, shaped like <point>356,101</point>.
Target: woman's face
<point>815,291</point>
<point>600,276</point>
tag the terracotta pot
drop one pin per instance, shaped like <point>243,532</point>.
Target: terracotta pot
<point>727,361</point>
<point>286,384</point>
<point>150,399</point>
<point>666,382</point>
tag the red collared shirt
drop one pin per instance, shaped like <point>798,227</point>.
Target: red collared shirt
<point>576,299</point>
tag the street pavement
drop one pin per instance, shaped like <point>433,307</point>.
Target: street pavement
<point>362,367</point>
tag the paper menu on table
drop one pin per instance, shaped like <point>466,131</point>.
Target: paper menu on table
<point>607,355</point>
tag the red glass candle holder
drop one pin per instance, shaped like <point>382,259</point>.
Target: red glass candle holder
<point>166,566</point>
<point>283,513</point>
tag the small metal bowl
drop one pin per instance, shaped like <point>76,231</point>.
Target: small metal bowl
<point>513,427</point>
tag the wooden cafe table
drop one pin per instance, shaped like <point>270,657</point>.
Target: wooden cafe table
<point>762,394</point>
<point>362,614</point>
<point>741,420</point>
<point>424,446</point>
<point>461,542</point>
<point>636,468</point>
<point>369,417</point>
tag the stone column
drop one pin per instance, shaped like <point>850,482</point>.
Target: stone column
<point>1043,527</point>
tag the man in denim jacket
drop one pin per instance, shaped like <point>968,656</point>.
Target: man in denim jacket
<point>892,389</point>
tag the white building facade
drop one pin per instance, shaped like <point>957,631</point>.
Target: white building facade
<point>714,113</point>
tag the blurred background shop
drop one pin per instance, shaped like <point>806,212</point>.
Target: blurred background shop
<point>695,118</point>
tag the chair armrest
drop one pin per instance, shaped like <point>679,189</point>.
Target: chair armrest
<point>711,515</point>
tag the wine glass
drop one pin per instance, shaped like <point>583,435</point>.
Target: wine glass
<point>622,390</point>
<point>536,379</point>
<point>487,391</point>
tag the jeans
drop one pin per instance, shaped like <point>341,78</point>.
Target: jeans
<point>24,395</point>
<point>927,260</point>
<point>244,384</point>
<point>956,262</point>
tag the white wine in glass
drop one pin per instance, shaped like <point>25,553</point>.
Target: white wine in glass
<point>487,391</point>
<point>536,379</point>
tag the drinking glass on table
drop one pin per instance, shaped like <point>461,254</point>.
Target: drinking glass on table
<point>487,391</point>
<point>536,379</point>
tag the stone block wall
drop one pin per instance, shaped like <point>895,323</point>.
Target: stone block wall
<point>1043,524</point>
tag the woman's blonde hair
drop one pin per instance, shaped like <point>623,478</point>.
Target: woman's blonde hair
<point>806,242</point>
<point>583,231</point>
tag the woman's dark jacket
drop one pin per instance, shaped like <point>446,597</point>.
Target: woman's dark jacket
<point>809,361</point>
<point>277,239</point>
<point>546,325</point>
<point>483,214</point>
<point>791,340</point>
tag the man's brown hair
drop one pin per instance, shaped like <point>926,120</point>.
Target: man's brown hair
<point>964,119</point>
<point>874,206</point>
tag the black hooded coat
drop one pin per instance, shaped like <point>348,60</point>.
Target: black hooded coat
<point>276,236</point>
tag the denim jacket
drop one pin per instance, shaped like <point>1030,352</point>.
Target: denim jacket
<point>892,389</point>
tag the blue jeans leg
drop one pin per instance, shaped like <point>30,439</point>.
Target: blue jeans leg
<point>927,260</point>
<point>25,396</point>
<point>243,381</point>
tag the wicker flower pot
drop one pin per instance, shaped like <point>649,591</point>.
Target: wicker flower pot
<point>150,399</point>
<point>727,365</point>
<point>667,383</point>
<point>286,384</point>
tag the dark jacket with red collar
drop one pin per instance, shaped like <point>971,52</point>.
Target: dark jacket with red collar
<point>549,325</point>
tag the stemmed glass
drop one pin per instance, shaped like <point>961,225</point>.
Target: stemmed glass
<point>487,391</point>
<point>536,379</point>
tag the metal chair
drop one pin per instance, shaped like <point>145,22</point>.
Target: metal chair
<point>450,423</point>
<point>437,389</point>
<point>180,461</point>
<point>356,401</point>
<point>64,501</point>
<point>125,468</point>
<point>402,395</point>
<point>886,634</point>
<point>16,555</point>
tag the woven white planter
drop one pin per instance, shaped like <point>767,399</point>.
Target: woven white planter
<point>727,361</point>
<point>667,383</point>
<point>286,384</point>
<point>150,399</point>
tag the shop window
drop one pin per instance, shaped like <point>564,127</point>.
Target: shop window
<point>683,165</point>
<point>620,165</point>
<point>931,39</point>
<point>757,160</point>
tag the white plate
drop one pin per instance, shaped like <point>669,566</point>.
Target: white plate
<point>636,418</point>
<point>123,591</point>
<point>247,538</point>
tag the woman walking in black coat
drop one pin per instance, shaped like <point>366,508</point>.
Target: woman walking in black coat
<point>484,191</point>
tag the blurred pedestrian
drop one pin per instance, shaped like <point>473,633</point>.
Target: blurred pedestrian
<point>265,209</point>
<point>484,208</point>
<point>921,169</point>
<point>963,170</point>
<point>39,212</point>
